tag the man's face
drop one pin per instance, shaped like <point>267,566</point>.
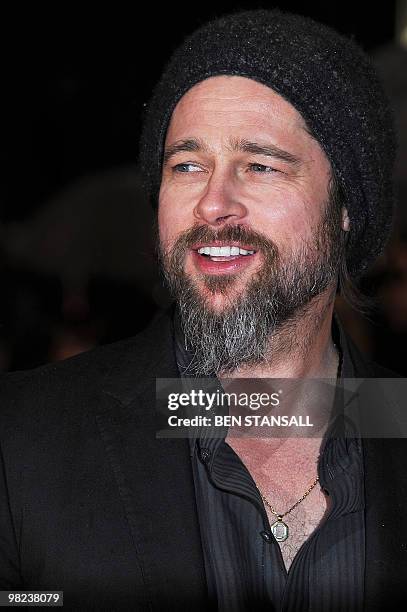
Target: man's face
<point>243,202</point>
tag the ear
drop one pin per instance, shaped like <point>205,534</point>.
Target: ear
<point>345,220</point>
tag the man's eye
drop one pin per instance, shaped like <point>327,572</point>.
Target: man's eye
<point>261,168</point>
<point>186,168</point>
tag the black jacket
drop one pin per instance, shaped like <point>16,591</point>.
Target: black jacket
<point>92,503</point>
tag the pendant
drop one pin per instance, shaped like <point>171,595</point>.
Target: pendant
<point>279,530</point>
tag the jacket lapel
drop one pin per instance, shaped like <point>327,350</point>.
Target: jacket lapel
<point>154,476</point>
<point>384,462</point>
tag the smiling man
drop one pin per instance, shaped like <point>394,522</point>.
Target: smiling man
<point>267,149</point>
<point>250,231</point>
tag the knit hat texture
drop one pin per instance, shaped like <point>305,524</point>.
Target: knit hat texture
<point>329,80</point>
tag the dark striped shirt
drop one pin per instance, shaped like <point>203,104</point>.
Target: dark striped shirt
<point>244,565</point>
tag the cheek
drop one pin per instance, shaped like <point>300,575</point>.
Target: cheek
<point>299,223</point>
<point>164,225</point>
<point>287,217</point>
<point>171,217</point>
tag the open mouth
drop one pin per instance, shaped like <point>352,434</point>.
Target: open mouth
<point>218,258</point>
<point>224,252</point>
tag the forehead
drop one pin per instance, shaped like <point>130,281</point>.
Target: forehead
<point>235,102</point>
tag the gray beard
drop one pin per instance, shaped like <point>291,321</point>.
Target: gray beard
<point>277,294</point>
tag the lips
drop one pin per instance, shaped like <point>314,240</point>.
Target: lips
<point>222,257</point>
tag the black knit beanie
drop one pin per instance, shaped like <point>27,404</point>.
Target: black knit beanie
<point>326,77</point>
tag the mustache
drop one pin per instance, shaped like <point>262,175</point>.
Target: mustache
<point>204,234</point>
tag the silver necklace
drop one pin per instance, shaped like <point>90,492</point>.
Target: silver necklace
<point>279,528</point>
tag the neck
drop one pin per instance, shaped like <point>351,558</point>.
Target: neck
<point>301,348</point>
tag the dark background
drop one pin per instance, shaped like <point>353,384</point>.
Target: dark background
<point>73,88</point>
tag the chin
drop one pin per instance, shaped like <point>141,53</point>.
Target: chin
<point>218,302</point>
<point>220,299</point>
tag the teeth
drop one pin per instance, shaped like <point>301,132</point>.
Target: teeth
<point>224,251</point>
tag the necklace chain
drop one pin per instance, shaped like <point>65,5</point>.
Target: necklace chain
<point>279,528</point>
<point>280,516</point>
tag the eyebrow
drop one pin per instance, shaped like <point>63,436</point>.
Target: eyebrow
<point>270,150</point>
<point>190,144</point>
<point>238,145</point>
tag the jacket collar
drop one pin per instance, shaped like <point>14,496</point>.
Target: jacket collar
<point>140,360</point>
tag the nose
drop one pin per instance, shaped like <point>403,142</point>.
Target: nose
<point>220,201</point>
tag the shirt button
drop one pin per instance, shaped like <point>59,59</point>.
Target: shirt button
<point>266,536</point>
<point>205,455</point>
